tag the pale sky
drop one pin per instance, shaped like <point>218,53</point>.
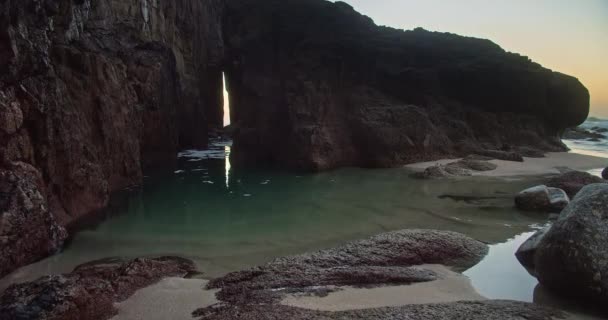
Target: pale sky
<point>569,36</point>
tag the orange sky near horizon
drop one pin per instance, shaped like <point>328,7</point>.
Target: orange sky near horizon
<point>563,35</point>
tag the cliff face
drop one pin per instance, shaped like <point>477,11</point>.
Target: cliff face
<point>315,85</point>
<point>94,92</point>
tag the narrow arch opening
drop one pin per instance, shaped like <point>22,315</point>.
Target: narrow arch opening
<point>226,101</point>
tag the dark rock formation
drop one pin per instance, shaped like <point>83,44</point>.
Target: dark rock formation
<point>92,92</point>
<point>573,181</point>
<point>381,260</point>
<point>478,310</point>
<point>572,257</point>
<point>316,85</point>
<point>28,230</point>
<point>384,259</point>
<point>605,174</point>
<point>89,292</point>
<point>542,199</point>
<point>527,251</point>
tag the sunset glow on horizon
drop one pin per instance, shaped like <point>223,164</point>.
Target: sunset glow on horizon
<point>570,37</point>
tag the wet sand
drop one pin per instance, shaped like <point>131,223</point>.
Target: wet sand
<point>450,287</point>
<point>553,163</point>
<point>171,298</point>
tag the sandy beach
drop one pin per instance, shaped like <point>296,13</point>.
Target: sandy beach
<point>553,163</point>
<point>171,298</point>
<point>450,287</point>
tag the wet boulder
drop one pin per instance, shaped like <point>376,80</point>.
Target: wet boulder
<point>605,173</point>
<point>573,181</point>
<point>572,257</point>
<point>543,199</point>
<point>527,251</point>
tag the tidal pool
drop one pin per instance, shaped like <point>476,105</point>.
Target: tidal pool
<point>226,220</point>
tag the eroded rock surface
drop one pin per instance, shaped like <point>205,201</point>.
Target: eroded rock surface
<point>88,292</point>
<point>388,258</point>
<point>478,310</point>
<point>94,92</point>
<point>28,229</point>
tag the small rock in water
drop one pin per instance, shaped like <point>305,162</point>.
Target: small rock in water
<point>543,199</point>
<point>605,173</point>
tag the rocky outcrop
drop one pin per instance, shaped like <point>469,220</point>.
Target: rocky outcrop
<point>315,85</point>
<point>573,181</point>
<point>542,199</point>
<point>94,92</point>
<point>28,229</point>
<point>460,168</point>
<point>89,292</point>
<point>389,258</point>
<point>478,310</point>
<point>571,257</point>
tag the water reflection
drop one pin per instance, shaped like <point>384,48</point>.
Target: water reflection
<point>226,219</point>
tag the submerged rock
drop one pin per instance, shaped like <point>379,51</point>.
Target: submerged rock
<point>572,257</point>
<point>573,181</point>
<point>542,198</point>
<point>88,292</point>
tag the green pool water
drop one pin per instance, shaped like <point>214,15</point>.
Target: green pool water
<point>227,220</point>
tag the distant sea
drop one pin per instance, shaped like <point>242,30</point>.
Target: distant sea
<point>593,148</point>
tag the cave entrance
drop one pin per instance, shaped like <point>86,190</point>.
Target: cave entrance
<point>226,101</point>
